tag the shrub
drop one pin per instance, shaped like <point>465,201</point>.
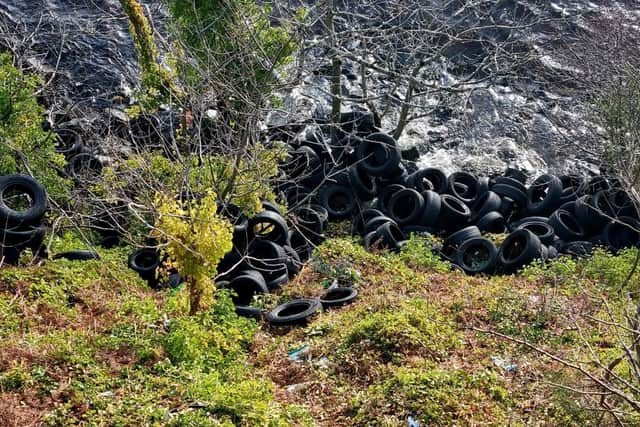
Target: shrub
<point>415,325</point>
<point>435,396</point>
<point>196,239</point>
<point>26,148</point>
<point>619,108</point>
<point>233,29</point>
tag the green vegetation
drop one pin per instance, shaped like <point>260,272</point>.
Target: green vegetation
<point>242,181</point>
<point>157,82</point>
<point>236,37</point>
<point>26,147</point>
<point>87,343</point>
<point>196,239</point>
<point>435,397</point>
<point>619,109</point>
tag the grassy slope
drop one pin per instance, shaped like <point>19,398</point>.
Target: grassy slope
<point>88,343</point>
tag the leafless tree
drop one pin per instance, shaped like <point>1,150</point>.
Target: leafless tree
<point>404,60</point>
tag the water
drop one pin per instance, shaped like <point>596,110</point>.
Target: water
<point>87,42</point>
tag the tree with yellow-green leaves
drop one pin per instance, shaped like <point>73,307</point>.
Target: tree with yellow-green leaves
<point>196,240</point>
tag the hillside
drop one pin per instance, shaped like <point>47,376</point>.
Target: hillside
<point>86,342</point>
<point>337,213</point>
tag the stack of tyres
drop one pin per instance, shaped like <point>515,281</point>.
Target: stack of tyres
<point>82,166</point>
<point>554,214</point>
<point>23,204</point>
<point>268,251</point>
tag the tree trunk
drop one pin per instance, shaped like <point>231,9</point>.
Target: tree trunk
<point>195,295</point>
<point>335,71</point>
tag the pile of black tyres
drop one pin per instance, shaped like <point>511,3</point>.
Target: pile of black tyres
<point>23,204</point>
<point>364,178</point>
<point>82,164</point>
<point>268,250</point>
<point>552,215</point>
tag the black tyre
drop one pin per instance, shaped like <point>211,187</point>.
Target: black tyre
<point>589,214</point>
<point>68,142</point>
<point>293,262</point>
<point>310,221</point>
<point>477,255</point>
<point>77,255</point>
<point>544,231</point>
<point>249,312</point>
<point>338,200</point>
<point>577,249</point>
<point>595,185</point>
<point>451,243</point>
<point>544,195</point>
<point>145,261</point>
<point>305,164</point>
<point>174,280</point>
<point>514,225</point>
<point>265,255</point>
<point>569,207</point>
<point>406,206</point>
<point>492,222</point>
<point>433,179</point>
<point>84,167</point>
<point>516,174</point>
<point>454,213</point>
<point>378,154</point>
<point>231,263</point>
<point>300,244</point>
<point>293,312</point>
<point>247,284</point>
<point>14,188</point>
<point>337,297</point>
<point>269,225</point>
<point>484,184</point>
<point>364,186</point>
<point>23,237</point>
<point>464,186</point>
<point>511,192</point>
<point>571,186</point>
<point>371,241</point>
<point>276,277</point>
<point>622,204</point>
<point>485,203</point>
<point>385,195</point>
<point>390,235</point>
<point>519,249</point>
<point>622,233</point>
<point>566,226</point>
<point>240,224</point>
<point>375,222</point>
<point>270,206</point>
<point>9,255</point>
<point>432,207</point>
<point>511,182</point>
<point>361,218</point>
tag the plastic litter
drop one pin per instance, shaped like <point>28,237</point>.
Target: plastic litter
<point>298,355</point>
<point>323,363</point>
<point>504,363</point>
<point>412,422</point>
<point>296,388</point>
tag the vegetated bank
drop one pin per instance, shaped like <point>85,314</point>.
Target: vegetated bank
<point>89,342</point>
